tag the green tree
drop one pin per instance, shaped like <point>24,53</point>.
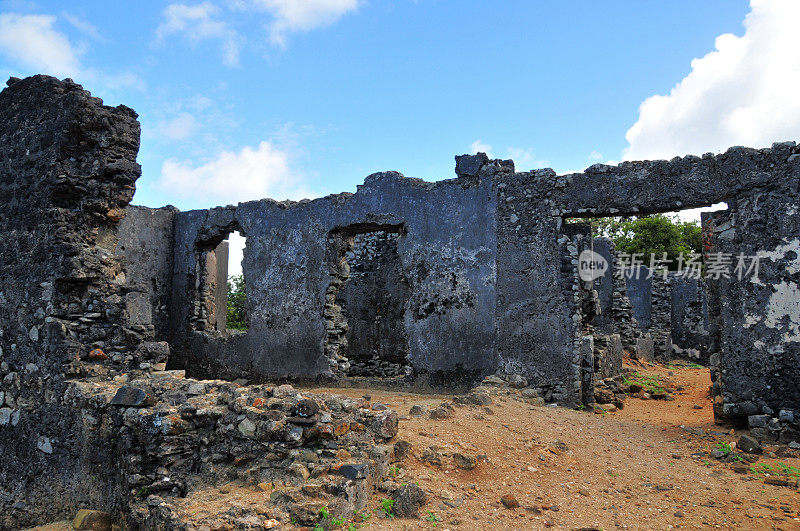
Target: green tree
<point>653,234</point>
<point>237,301</point>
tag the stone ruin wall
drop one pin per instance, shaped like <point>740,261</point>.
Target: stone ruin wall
<point>487,263</point>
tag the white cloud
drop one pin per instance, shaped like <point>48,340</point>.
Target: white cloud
<point>35,46</point>
<point>84,26</point>
<point>230,177</point>
<point>524,159</point>
<point>742,93</point>
<point>595,156</point>
<point>479,147</point>
<point>197,23</point>
<point>180,128</point>
<point>34,43</point>
<point>290,16</point>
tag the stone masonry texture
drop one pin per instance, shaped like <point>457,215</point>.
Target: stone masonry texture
<point>467,277</point>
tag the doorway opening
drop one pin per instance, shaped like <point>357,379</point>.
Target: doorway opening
<point>642,293</point>
<point>366,302</point>
<point>221,306</point>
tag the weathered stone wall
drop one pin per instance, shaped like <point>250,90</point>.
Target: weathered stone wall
<point>67,171</point>
<point>689,319</point>
<point>488,271</point>
<point>145,242</point>
<point>446,255</point>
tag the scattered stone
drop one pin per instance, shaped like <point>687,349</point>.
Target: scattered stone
<point>509,501</point>
<point>354,471</point>
<point>603,395</point>
<point>476,398</point>
<point>97,355</point>
<point>444,411</point>
<point>306,408</point>
<point>402,449</point>
<point>493,380</point>
<point>132,397</point>
<point>749,445</point>
<point>43,443</point>
<point>432,456</point>
<point>385,424</point>
<point>465,462</point>
<point>517,381</point>
<point>407,500</point>
<point>417,411</point>
<point>87,519</point>
<point>794,445</point>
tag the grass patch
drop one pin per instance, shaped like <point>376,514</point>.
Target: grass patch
<point>651,383</point>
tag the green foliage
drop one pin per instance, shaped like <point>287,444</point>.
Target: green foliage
<point>724,447</point>
<point>432,518</point>
<point>650,383</point>
<point>237,299</point>
<point>337,522</point>
<point>653,234</point>
<point>387,506</point>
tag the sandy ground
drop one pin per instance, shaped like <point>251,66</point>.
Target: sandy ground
<point>568,469</point>
<point>644,467</point>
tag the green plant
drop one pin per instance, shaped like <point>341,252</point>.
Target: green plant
<point>387,506</point>
<point>318,527</point>
<point>337,522</point>
<point>351,527</point>
<point>143,492</point>
<point>432,518</point>
<point>394,470</point>
<point>237,302</point>
<point>786,470</point>
<point>654,234</point>
<point>725,448</point>
<point>324,513</point>
<point>650,383</point>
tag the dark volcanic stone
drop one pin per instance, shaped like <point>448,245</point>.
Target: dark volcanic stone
<point>132,397</point>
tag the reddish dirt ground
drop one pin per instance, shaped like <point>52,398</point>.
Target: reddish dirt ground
<point>644,467</point>
<point>631,469</point>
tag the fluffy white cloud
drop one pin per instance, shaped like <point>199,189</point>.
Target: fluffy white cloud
<point>34,46</point>
<point>179,128</point>
<point>230,177</point>
<point>33,42</point>
<point>293,16</point>
<point>200,22</point>
<point>742,93</point>
<point>524,159</point>
<point>479,147</point>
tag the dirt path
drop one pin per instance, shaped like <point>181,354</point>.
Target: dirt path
<point>636,468</point>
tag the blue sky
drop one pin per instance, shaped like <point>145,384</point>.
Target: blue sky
<point>242,99</point>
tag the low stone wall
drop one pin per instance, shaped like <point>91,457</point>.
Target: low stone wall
<point>169,436</point>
